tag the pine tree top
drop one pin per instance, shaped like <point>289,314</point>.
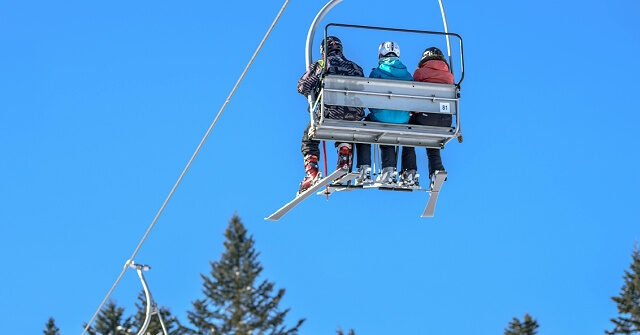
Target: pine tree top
<point>111,321</point>
<point>628,301</point>
<point>528,326</point>
<point>236,302</point>
<point>51,328</point>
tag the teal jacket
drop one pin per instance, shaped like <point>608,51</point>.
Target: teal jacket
<point>390,68</point>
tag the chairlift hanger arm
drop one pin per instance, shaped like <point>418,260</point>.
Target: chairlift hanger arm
<point>308,57</point>
<point>446,30</point>
<point>151,306</point>
<point>448,34</point>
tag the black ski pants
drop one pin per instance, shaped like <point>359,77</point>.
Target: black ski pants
<point>387,153</point>
<point>433,155</point>
<point>311,147</point>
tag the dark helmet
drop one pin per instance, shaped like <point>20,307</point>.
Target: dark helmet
<point>432,53</point>
<point>333,43</point>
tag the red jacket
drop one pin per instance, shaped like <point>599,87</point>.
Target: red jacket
<point>433,71</point>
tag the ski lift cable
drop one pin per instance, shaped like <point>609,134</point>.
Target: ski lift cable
<point>184,171</point>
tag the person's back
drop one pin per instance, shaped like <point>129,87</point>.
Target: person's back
<point>390,67</point>
<point>433,71</point>
<point>432,68</point>
<point>338,65</point>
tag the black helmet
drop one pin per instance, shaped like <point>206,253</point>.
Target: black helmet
<point>333,43</point>
<point>432,53</point>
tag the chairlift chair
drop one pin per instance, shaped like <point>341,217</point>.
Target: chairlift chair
<point>383,94</point>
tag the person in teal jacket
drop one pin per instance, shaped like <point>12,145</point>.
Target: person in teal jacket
<point>389,67</point>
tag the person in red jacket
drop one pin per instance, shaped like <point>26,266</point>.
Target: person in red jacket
<point>432,68</point>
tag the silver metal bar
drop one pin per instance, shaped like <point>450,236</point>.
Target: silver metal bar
<point>321,108</point>
<point>164,328</point>
<point>379,158</point>
<point>405,141</point>
<point>458,129</point>
<point>308,55</point>
<point>389,86</point>
<point>390,95</point>
<point>446,30</point>
<point>312,113</point>
<point>374,162</point>
<point>391,131</point>
<point>461,63</point>
<point>147,317</point>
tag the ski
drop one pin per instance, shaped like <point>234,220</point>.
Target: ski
<point>436,184</point>
<point>311,190</point>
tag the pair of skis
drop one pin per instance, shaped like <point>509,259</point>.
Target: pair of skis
<point>336,180</point>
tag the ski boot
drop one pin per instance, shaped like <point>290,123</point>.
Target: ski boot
<point>432,177</point>
<point>364,176</point>
<point>387,176</point>
<point>344,156</point>
<point>409,178</point>
<point>311,169</point>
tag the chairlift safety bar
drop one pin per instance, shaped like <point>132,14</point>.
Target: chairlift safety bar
<point>326,28</point>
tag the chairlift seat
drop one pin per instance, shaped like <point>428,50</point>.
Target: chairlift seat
<point>386,94</point>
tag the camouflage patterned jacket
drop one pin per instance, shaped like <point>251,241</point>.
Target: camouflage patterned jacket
<point>338,65</point>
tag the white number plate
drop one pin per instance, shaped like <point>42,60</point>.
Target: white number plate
<point>445,107</point>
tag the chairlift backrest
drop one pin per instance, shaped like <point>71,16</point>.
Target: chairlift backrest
<point>389,94</point>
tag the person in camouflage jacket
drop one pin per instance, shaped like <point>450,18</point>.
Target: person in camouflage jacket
<point>338,64</point>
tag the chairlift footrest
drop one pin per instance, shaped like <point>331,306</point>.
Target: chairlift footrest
<point>302,196</point>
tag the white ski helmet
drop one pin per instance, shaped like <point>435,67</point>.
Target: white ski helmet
<point>387,48</point>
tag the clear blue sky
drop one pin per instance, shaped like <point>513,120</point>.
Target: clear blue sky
<point>101,105</point>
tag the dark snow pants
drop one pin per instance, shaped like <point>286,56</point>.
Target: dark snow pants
<point>433,155</point>
<point>311,147</point>
<point>387,153</point>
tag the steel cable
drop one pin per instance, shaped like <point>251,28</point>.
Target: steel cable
<point>184,171</point>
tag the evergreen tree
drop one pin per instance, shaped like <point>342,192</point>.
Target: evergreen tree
<point>110,321</point>
<point>170,322</point>
<point>51,328</point>
<point>340,332</point>
<point>628,302</point>
<point>528,327</point>
<point>235,303</point>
